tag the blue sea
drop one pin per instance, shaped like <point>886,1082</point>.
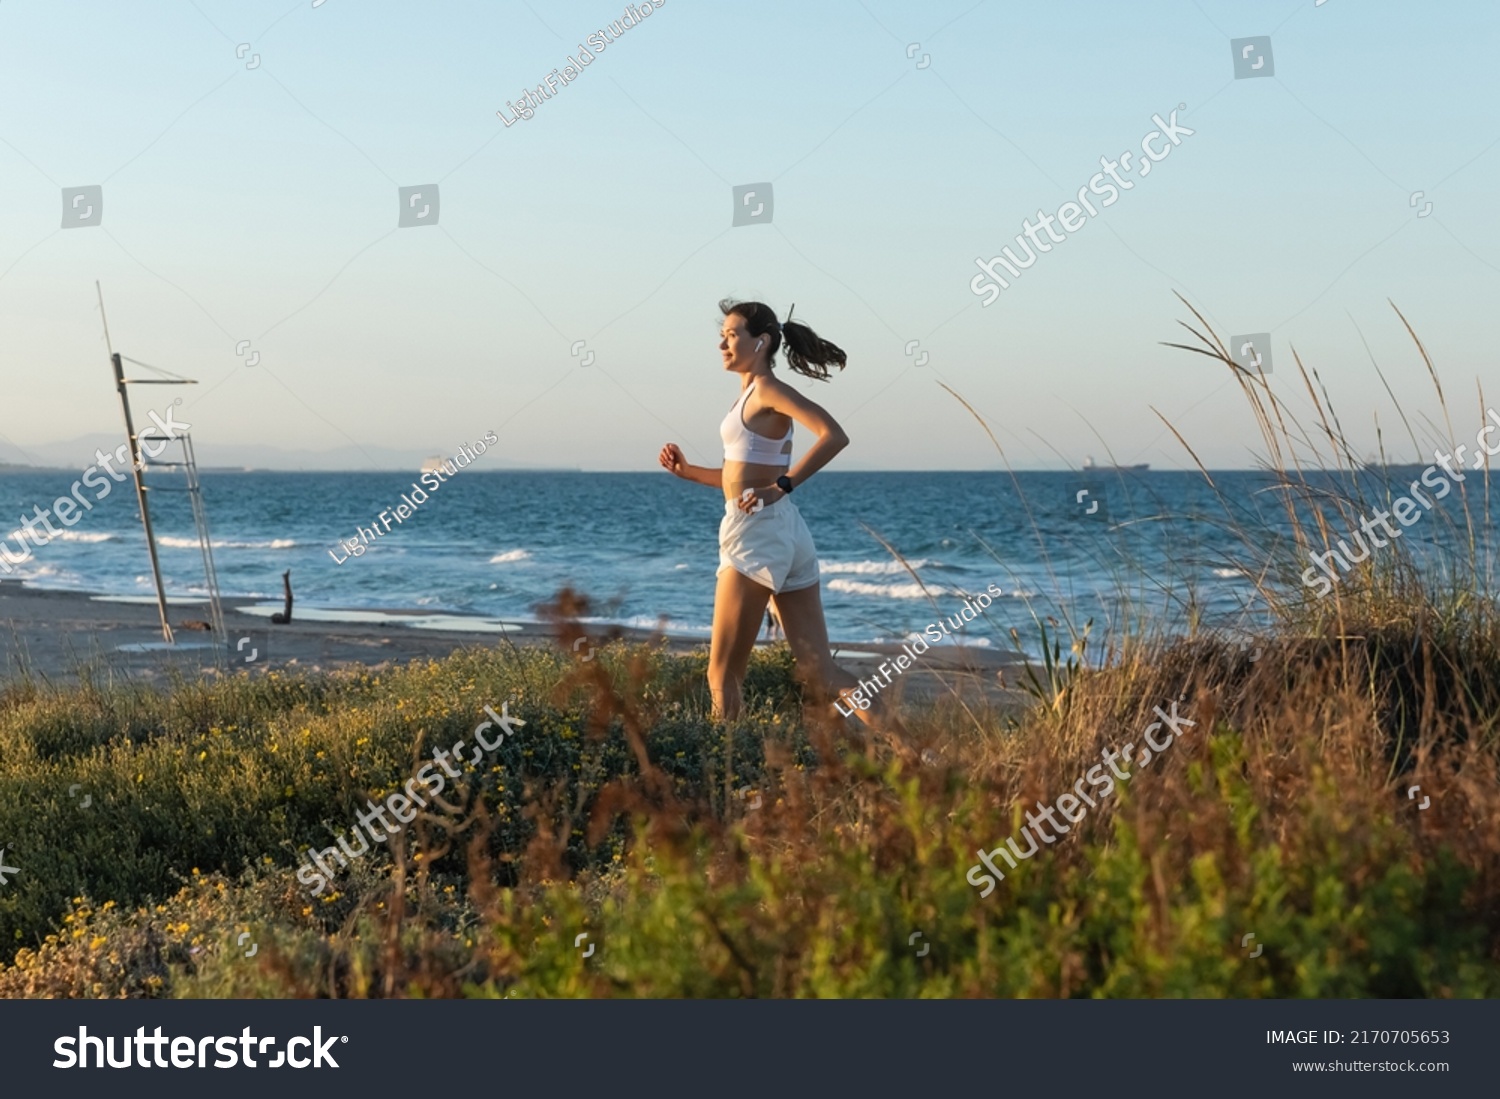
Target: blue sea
<point>1156,549</point>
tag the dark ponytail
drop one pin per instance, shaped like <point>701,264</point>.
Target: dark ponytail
<point>806,352</point>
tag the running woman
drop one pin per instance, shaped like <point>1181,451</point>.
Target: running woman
<point>765,549</point>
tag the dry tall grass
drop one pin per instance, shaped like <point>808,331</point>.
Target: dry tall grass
<point>785,856</point>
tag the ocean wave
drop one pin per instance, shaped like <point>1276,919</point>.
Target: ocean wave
<point>178,542</point>
<point>509,556</point>
<point>50,579</point>
<point>1228,573</point>
<point>20,538</point>
<point>874,568</point>
<point>887,591</point>
<point>25,571</point>
<point>962,639</point>
<point>83,536</point>
<point>664,623</point>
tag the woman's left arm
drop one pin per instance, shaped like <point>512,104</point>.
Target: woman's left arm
<point>811,415</point>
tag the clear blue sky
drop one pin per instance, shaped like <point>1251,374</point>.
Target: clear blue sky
<point>261,204</point>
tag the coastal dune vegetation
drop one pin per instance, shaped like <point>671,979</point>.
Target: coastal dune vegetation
<point>1325,829</point>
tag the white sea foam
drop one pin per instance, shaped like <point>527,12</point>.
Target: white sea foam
<point>966,640</point>
<point>39,572</point>
<point>178,542</point>
<point>83,536</point>
<point>886,591</point>
<point>873,568</point>
<point>672,626</point>
<point>1227,573</point>
<point>86,536</point>
<point>510,556</point>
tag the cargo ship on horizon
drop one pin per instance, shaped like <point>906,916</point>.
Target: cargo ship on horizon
<point>1093,467</point>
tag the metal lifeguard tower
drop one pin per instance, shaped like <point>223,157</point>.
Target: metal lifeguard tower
<point>187,465</point>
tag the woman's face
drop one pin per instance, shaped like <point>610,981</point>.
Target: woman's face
<point>737,345</point>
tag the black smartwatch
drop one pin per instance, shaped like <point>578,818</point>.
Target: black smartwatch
<point>784,483</point>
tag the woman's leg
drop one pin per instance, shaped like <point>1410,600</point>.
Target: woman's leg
<point>739,605</point>
<point>801,614</point>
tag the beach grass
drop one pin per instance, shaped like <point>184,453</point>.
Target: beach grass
<point>795,862</point>
<point>1321,827</point>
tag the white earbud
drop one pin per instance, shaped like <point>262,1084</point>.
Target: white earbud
<point>758,343</point>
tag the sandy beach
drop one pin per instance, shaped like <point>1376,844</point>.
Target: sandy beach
<point>55,636</point>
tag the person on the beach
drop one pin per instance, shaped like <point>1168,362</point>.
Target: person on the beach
<point>765,549</point>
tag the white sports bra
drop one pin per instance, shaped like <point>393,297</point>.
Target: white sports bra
<point>743,445</point>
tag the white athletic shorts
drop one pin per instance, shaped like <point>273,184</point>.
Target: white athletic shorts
<point>772,546</point>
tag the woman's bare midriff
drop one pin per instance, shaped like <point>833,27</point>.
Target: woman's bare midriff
<point>738,476</point>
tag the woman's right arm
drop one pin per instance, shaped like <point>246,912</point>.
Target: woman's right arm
<point>672,460</point>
